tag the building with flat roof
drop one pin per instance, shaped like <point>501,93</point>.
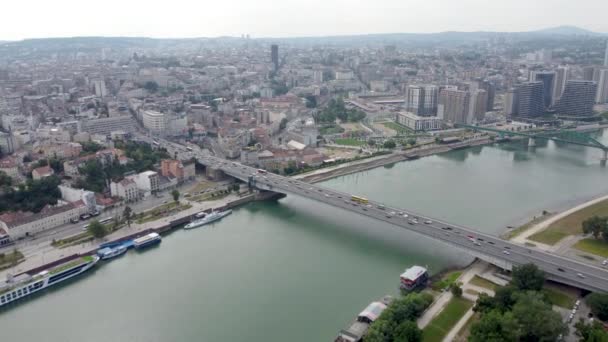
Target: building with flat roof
<point>422,99</point>
<point>274,56</point>
<point>154,121</point>
<point>418,123</point>
<point>530,102</point>
<point>578,98</point>
<point>453,105</point>
<point>20,224</point>
<point>105,126</point>
<point>601,95</point>
<point>548,80</point>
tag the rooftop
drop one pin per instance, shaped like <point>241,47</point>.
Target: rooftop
<point>413,272</point>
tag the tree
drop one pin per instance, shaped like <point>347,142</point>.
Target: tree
<point>528,277</point>
<point>5,180</point>
<point>151,86</point>
<point>504,298</point>
<point>495,327</point>
<point>311,101</point>
<point>97,229</point>
<point>283,123</point>
<point>175,195</point>
<point>408,331</point>
<point>456,290</point>
<point>592,332</point>
<point>390,144</point>
<point>598,302</point>
<point>536,319</point>
<point>127,213</point>
<point>484,303</point>
<point>595,225</point>
<point>371,142</point>
<point>411,141</point>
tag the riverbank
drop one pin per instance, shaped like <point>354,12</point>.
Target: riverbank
<point>48,254</point>
<point>542,226</point>
<point>372,163</point>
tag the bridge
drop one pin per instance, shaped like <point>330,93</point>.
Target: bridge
<point>568,136</point>
<point>499,252</point>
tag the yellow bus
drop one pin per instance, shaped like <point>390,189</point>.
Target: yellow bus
<point>358,199</point>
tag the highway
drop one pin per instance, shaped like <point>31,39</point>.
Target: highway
<point>490,248</point>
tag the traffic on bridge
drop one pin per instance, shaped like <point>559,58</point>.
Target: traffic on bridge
<point>490,248</point>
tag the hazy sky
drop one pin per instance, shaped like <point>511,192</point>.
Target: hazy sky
<point>287,18</point>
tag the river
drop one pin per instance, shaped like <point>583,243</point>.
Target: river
<point>300,271</point>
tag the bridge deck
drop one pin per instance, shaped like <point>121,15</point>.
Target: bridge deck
<point>495,250</point>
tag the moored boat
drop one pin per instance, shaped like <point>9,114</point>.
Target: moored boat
<point>25,284</point>
<point>211,217</point>
<point>112,252</point>
<point>146,240</point>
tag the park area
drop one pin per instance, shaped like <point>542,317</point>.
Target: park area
<point>570,224</point>
<point>350,142</point>
<point>445,321</point>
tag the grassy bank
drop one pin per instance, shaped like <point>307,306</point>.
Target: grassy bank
<point>445,280</point>
<point>559,297</point>
<point>11,259</point>
<point>350,142</point>
<point>593,246</point>
<point>481,282</point>
<point>570,224</point>
<point>515,232</point>
<point>441,325</point>
<point>400,129</point>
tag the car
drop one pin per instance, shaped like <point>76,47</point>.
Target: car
<point>605,262</point>
<point>401,213</point>
<point>392,213</point>
<point>364,209</point>
<point>405,215</point>
<point>369,205</point>
<point>477,243</point>
<point>507,247</point>
<point>428,222</point>
<point>326,195</point>
<point>411,222</point>
<point>561,269</point>
<point>573,311</point>
<point>580,275</point>
<point>480,239</point>
<point>577,303</point>
<point>490,242</point>
<point>506,252</point>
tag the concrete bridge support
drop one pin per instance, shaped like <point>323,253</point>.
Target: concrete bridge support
<point>531,142</point>
<point>604,158</point>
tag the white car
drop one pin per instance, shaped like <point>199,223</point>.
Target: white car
<point>605,262</point>
<point>428,221</point>
<point>580,275</point>
<point>506,252</point>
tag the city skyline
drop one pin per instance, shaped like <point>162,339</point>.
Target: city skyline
<point>265,19</point>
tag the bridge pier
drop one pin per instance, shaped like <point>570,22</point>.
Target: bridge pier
<point>531,142</point>
<point>604,158</point>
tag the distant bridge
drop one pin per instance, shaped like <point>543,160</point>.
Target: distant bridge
<point>568,136</point>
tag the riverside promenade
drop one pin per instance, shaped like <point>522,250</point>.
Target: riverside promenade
<point>44,253</point>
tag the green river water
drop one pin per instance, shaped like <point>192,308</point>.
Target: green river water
<point>297,270</point>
